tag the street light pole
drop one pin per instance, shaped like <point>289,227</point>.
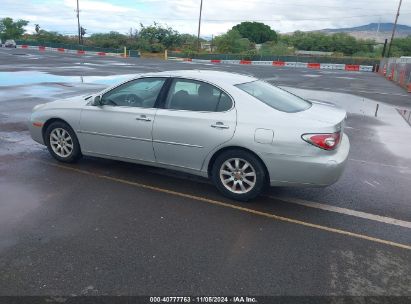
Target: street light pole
<point>393,29</point>
<point>199,27</point>
<point>78,24</point>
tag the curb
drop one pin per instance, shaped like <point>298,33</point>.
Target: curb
<point>63,50</point>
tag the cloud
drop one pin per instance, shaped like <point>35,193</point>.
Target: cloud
<point>218,15</point>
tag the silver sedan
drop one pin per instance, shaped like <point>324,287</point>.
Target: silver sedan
<point>241,132</point>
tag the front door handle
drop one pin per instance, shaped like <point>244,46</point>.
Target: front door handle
<point>143,118</point>
<point>219,125</point>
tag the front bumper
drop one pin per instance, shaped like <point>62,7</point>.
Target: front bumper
<point>324,170</point>
<point>36,131</point>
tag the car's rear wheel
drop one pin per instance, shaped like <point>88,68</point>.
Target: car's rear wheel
<point>238,174</point>
<point>62,142</point>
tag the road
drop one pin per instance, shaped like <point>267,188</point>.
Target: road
<point>102,227</point>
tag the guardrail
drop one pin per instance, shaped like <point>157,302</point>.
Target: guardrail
<point>77,49</point>
<point>63,50</point>
<point>280,58</point>
<point>308,65</point>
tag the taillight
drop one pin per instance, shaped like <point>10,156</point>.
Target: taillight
<point>327,141</point>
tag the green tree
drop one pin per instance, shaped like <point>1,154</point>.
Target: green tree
<point>272,48</point>
<point>157,35</point>
<point>256,32</point>
<point>108,40</point>
<point>46,36</point>
<point>401,47</point>
<point>339,42</point>
<point>10,29</point>
<point>232,42</point>
<point>189,43</point>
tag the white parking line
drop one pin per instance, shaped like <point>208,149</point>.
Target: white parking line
<point>360,214</point>
<point>379,164</point>
<point>6,53</point>
<point>369,184</point>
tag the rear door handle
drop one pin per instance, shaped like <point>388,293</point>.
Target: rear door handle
<point>143,118</point>
<point>219,125</point>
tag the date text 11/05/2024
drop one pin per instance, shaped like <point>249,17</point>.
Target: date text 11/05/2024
<point>238,299</point>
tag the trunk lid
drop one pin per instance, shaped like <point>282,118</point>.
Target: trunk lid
<point>324,114</point>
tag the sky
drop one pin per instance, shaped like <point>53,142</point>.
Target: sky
<point>217,16</point>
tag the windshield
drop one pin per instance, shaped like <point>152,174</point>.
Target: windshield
<point>275,97</point>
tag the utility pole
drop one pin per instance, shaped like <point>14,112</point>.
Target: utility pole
<point>199,27</point>
<point>78,24</point>
<point>384,48</point>
<point>393,29</point>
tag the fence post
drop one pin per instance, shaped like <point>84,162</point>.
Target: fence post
<point>376,110</point>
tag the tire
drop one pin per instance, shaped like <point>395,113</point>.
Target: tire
<point>245,179</point>
<point>62,142</point>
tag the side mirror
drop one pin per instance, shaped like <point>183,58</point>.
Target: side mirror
<point>97,101</point>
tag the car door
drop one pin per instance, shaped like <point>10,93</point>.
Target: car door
<point>122,125</point>
<point>196,118</point>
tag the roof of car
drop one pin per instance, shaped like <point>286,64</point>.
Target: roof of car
<point>208,75</point>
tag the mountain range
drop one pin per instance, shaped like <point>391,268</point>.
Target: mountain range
<point>377,31</point>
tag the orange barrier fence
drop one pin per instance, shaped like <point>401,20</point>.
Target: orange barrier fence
<point>278,63</point>
<point>397,70</point>
<point>313,65</point>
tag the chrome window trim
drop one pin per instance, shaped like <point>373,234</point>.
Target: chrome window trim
<point>207,82</point>
<point>124,82</point>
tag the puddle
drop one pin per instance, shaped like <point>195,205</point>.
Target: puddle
<point>30,90</point>
<point>312,75</point>
<point>119,63</point>
<point>17,142</point>
<point>345,77</point>
<point>87,63</point>
<point>31,77</point>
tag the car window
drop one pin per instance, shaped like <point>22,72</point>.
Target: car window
<point>192,95</point>
<point>141,93</point>
<point>275,97</point>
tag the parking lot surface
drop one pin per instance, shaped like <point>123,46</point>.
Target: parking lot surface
<point>102,227</point>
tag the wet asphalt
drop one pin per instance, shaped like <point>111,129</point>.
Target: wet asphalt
<point>102,227</point>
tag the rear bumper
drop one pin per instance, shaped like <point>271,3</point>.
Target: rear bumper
<point>324,170</point>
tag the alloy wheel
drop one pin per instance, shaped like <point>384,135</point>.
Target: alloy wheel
<point>61,142</point>
<point>238,175</point>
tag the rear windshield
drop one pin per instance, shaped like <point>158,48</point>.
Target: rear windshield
<point>275,97</point>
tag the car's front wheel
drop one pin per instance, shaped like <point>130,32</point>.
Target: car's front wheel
<point>238,174</point>
<point>62,142</point>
